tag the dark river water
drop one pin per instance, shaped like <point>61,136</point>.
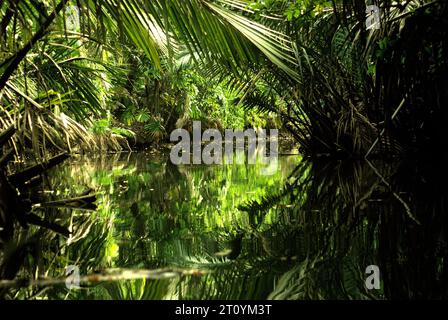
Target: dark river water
<point>306,230</point>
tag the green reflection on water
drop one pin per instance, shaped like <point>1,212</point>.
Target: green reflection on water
<point>228,232</point>
<point>152,214</point>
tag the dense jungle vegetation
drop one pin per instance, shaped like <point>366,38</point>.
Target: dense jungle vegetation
<point>93,80</point>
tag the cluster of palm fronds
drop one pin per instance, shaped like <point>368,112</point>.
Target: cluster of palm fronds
<point>340,87</point>
<point>343,91</point>
<point>58,58</point>
<point>356,91</point>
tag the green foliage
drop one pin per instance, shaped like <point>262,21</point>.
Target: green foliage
<point>89,52</point>
<point>104,127</point>
<point>87,82</point>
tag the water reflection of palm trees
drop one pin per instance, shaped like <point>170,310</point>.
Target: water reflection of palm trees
<point>311,239</point>
<point>351,215</point>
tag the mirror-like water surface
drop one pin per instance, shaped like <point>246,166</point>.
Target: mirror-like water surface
<point>308,231</point>
<point>154,215</point>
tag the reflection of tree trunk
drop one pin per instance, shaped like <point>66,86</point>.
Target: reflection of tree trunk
<point>139,226</point>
